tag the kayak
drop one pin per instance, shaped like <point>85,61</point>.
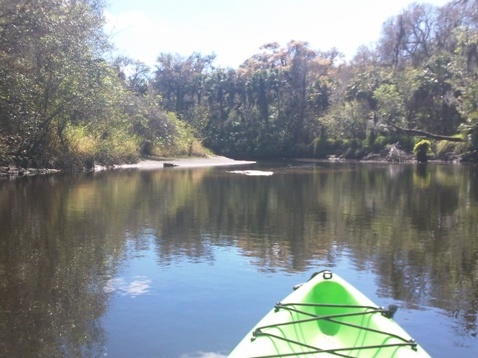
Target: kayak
<point>325,317</point>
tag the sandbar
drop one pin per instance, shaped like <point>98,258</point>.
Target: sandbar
<point>193,162</point>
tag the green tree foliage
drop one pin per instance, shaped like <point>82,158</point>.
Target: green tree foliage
<point>431,56</point>
<point>419,80</point>
<point>52,71</point>
<point>421,150</point>
<point>267,107</point>
<point>63,105</point>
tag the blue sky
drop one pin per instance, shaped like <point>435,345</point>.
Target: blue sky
<point>235,29</point>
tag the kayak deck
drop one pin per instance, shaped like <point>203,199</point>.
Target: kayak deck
<point>328,317</point>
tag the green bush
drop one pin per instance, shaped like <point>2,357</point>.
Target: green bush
<point>421,150</point>
<point>85,149</point>
<point>178,141</point>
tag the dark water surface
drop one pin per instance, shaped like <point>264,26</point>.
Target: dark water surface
<point>183,262</point>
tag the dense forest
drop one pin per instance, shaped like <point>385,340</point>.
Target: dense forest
<point>66,102</point>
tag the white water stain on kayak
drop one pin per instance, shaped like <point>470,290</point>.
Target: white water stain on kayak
<point>140,285</point>
<point>252,172</point>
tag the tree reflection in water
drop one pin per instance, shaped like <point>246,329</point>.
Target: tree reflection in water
<point>64,239</point>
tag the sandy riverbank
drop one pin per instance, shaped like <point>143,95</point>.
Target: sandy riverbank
<point>211,161</point>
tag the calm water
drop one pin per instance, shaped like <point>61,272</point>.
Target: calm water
<point>183,262</point>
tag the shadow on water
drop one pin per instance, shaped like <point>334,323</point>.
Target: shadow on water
<point>66,241</point>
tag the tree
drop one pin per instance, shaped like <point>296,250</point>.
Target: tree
<point>466,68</point>
<point>135,74</point>
<point>406,38</point>
<point>180,81</point>
<point>50,59</point>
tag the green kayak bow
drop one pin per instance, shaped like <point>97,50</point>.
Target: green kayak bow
<point>326,317</point>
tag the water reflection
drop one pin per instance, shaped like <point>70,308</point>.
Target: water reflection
<point>203,355</point>
<point>140,285</point>
<point>51,301</point>
<point>64,241</point>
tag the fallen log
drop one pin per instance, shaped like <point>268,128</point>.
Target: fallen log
<point>421,133</point>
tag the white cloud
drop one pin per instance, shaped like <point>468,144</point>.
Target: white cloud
<point>144,36</point>
<point>235,30</point>
<point>134,34</point>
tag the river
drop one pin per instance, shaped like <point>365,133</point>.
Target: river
<point>182,262</point>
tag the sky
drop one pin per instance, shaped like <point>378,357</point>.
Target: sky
<point>234,30</point>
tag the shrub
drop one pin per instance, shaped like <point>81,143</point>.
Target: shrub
<point>421,149</point>
<point>178,141</point>
<point>84,149</point>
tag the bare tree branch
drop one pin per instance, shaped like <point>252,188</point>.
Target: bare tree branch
<point>425,134</point>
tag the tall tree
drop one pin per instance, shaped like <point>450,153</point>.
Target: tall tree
<point>50,60</point>
<point>406,38</point>
<point>180,81</point>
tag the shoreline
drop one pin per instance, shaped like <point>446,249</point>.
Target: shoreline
<point>193,162</point>
<point>146,164</point>
<point>189,162</point>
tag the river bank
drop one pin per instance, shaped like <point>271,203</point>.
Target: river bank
<point>148,164</point>
<point>21,172</point>
<point>210,161</point>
